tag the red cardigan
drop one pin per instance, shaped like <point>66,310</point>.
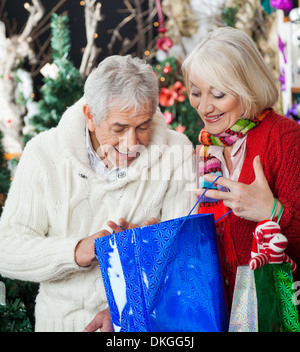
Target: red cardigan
<point>277,141</point>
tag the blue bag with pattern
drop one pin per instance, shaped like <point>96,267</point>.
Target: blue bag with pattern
<point>165,277</point>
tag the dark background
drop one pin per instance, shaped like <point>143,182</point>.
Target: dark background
<point>16,14</point>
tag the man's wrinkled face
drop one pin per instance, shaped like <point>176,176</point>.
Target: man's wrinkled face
<point>119,138</point>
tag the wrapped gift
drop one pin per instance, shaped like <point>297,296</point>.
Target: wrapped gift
<point>263,300</point>
<point>164,277</point>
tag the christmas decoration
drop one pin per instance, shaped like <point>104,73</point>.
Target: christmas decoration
<point>143,42</point>
<point>173,100</point>
<point>4,175</point>
<point>285,5</point>
<point>15,50</point>
<point>294,112</point>
<point>282,79</point>
<point>250,16</point>
<point>14,317</point>
<point>269,246</point>
<point>17,315</point>
<point>63,84</point>
<point>92,12</point>
<point>163,43</point>
<point>281,46</point>
<point>181,20</point>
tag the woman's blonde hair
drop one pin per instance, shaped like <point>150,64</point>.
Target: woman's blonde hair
<point>229,61</point>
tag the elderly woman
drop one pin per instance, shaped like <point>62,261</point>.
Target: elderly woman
<point>111,160</point>
<point>255,150</point>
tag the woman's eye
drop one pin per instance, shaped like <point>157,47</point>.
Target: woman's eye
<point>195,93</point>
<point>217,94</point>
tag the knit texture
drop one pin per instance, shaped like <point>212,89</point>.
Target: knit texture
<point>56,199</point>
<point>277,141</point>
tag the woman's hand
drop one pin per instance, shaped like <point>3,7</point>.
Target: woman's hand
<point>252,202</point>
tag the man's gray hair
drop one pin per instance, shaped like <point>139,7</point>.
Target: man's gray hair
<point>121,82</point>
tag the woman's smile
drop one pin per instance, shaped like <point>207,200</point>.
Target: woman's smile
<point>213,118</point>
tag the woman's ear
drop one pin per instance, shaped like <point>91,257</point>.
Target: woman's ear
<point>89,117</point>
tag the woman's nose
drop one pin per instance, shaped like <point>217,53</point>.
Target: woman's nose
<point>205,106</point>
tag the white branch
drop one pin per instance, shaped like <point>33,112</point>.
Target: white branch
<point>14,50</point>
<point>36,12</point>
<point>92,17</point>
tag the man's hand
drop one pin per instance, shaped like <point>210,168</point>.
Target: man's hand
<point>85,249</point>
<point>101,321</point>
<point>151,221</point>
<point>125,225</point>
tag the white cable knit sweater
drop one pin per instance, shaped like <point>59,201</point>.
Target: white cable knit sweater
<point>56,199</point>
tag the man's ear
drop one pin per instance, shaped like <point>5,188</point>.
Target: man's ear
<point>89,117</point>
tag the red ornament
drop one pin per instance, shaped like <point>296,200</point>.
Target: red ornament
<point>167,97</point>
<point>180,90</point>
<point>164,43</point>
<point>268,246</point>
<point>168,117</point>
<point>173,94</point>
<point>180,129</point>
<point>167,69</point>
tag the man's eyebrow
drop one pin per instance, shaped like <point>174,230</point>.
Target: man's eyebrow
<point>144,123</point>
<point>118,124</point>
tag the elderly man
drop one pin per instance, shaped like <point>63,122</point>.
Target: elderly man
<point>111,161</point>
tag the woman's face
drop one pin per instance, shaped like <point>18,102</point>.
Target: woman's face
<point>218,111</point>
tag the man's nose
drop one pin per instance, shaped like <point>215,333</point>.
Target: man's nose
<point>130,138</point>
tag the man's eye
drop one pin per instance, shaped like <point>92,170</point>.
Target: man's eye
<point>118,130</point>
<point>144,128</point>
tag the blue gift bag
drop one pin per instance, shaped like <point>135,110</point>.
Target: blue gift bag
<point>164,277</point>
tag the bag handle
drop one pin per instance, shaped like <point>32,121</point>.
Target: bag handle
<point>202,195</point>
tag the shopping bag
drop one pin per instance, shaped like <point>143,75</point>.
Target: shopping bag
<point>243,315</point>
<point>164,277</point>
<point>263,300</point>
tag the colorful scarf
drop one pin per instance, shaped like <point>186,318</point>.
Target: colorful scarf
<point>208,164</point>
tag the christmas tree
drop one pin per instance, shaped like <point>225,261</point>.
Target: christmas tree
<point>18,313</point>
<point>63,84</point>
<point>4,175</point>
<point>173,100</point>
<point>14,315</point>
<point>62,87</point>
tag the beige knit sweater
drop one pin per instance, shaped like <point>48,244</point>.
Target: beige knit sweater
<point>56,199</point>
